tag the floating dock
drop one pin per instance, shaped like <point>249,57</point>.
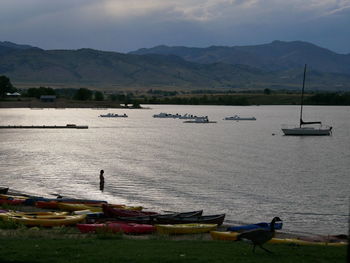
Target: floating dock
<point>68,126</point>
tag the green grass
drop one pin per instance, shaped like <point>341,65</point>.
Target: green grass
<point>96,249</point>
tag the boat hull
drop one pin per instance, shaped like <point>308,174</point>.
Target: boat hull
<point>306,131</point>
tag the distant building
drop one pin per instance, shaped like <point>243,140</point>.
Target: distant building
<point>47,98</point>
<point>15,94</point>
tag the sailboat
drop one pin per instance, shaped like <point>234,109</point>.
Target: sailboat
<point>306,128</point>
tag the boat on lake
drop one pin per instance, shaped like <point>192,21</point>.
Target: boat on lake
<point>238,118</point>
<point>202,119</point>
<point>167,115</point>
<point>306,128</point>
<point>113,115</point>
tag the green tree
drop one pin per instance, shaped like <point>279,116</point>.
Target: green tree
<point>5,86</point>
<point>267,91</point>
<point>83,94</point>
<point>99,96</point>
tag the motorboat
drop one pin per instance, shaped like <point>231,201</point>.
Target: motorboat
<point>113,115</point>
<point>202,119</point>
<point>187,117</point>
<point>306,128</point>
<point>166,115</point>
<point>238,118</point>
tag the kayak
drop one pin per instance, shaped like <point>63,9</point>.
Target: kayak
<point>185,228</point>
<point>12,201</point>
<point>111,212</point>
<point>47,221</point>
<point>295,241</point>
<point>227,235</point>
<point>75,207</point>
<point>156,219</point>
<point>208,219</point>
<point>224,235</point>
<point>36,214</point>
<point>117,227</point>
<point>262,225</point>
<point>4,190</point>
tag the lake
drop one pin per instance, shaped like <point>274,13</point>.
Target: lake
<point>247,169</point>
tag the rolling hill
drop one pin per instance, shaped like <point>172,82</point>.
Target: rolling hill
<point>27,64</point>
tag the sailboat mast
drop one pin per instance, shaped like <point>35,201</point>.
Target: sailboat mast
<point>302,98</point>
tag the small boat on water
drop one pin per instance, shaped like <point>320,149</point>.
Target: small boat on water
<point>262,225</point>
<point>167,115</point>
<point>238,118</point>
<point>117,227</point>
<point>202,119</point>
<point>185,228</point>
<point>306,128</point>
<point>113,115</point>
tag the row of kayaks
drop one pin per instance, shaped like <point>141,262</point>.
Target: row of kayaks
<point>94,216</point>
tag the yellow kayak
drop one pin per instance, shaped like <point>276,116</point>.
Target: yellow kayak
<point>34,214</point>
<point>185,228</point>
<point>48,221</point>
<point>226,235</point>
<point>218,235</point>
<point>5,196</point>
<point>76,207</point>
<point>295,241</point>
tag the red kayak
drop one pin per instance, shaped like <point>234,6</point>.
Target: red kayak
<point>12,202</point>
<point>111,211</point>
<point>116,227</point>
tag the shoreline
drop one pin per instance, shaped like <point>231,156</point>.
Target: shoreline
<point>205,236</point>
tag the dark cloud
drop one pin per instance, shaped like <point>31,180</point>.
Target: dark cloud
<point>123,26</point>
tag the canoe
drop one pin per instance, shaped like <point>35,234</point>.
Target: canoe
<point>76,207</point>
<point>10,197</point>
<point>209,219</point>
<point>48,222</point>
<point>116,227</point>
<point>262,225</point>
<point>4,190</point>
<point>185,228</point>
<point>38,214</point>
<point>111,212</point>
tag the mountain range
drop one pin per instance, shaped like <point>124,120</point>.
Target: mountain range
<point>274,65</point>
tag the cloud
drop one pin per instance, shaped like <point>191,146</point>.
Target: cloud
<point>128,24</point>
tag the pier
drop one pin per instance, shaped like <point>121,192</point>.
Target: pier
<point>68,126</point>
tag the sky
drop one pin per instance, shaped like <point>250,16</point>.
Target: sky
<point>127,25</point>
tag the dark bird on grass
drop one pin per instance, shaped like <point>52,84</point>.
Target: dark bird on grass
<point>258,237</point>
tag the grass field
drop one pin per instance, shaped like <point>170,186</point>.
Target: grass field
<point>155,249</point>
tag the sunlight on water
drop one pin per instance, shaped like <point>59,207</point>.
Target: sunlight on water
<point>237,168</point>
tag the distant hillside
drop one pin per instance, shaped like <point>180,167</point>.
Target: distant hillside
<point>275,56</point>
<point>26,64</point>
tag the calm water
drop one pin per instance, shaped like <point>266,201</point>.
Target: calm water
<point>237,168</point>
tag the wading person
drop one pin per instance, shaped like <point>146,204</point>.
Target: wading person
<point>102,180</point>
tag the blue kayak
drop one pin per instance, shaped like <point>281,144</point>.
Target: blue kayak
<point>262,225</point>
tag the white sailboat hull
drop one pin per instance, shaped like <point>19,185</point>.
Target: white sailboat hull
<point>304,131</point>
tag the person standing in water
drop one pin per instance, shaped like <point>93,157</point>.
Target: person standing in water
<point>102,181</point>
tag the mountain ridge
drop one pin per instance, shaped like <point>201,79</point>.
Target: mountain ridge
<point>24,63</point>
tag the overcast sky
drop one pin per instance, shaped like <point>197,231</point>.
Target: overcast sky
<point>126,25</point>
